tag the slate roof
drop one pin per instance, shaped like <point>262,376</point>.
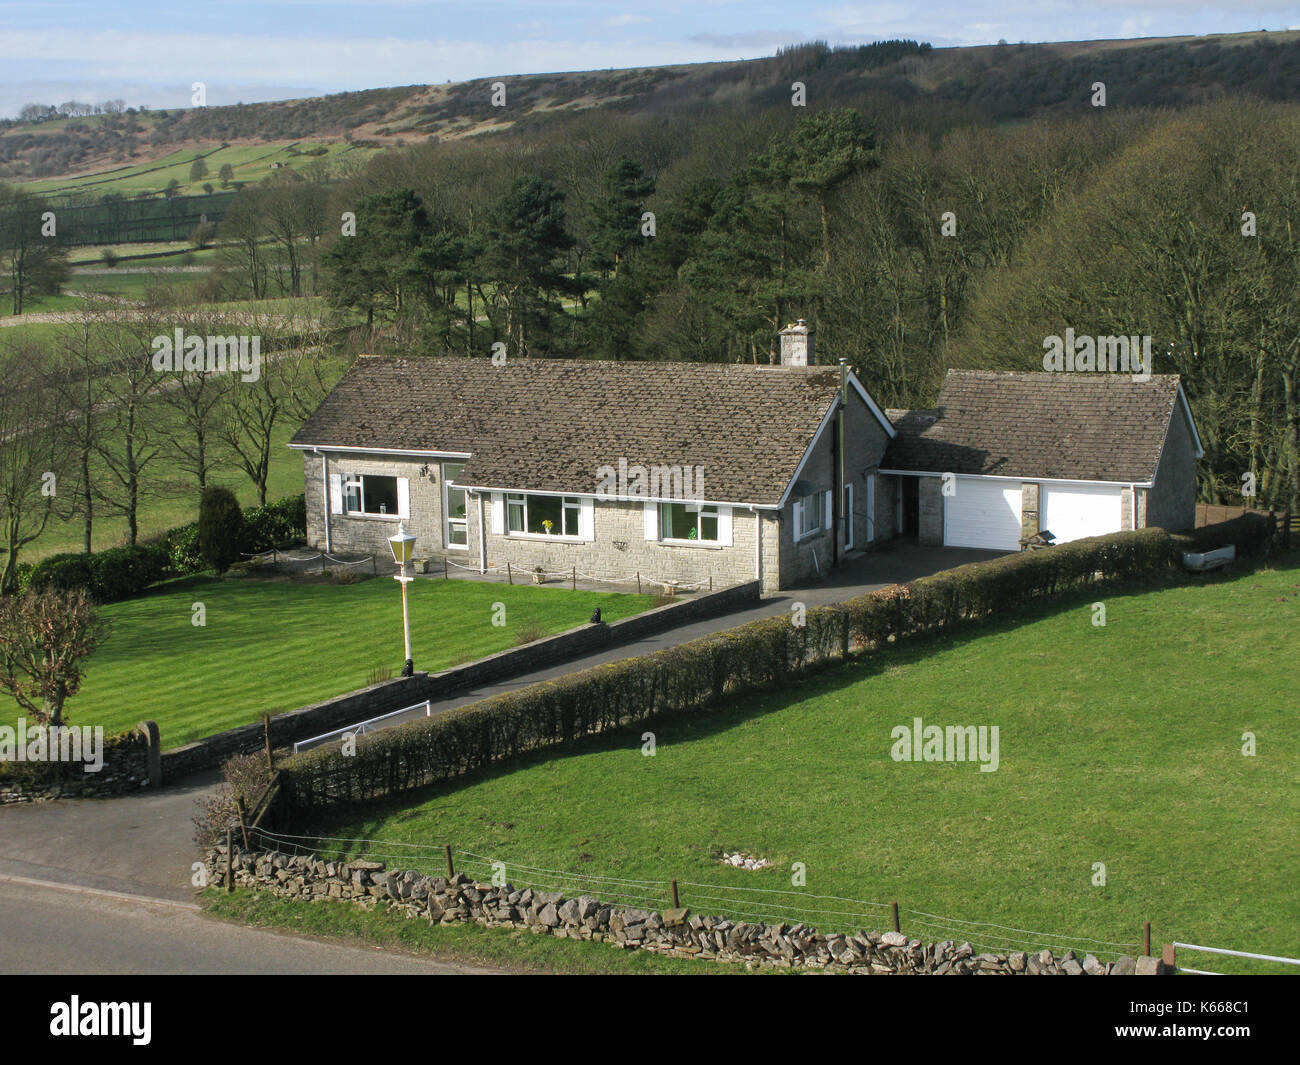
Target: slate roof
<point>548,424</point>
<point>1068,426</point>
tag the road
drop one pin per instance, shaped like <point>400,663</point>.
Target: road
<point>62,931</point>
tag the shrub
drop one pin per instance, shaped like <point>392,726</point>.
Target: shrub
<point>62,573</point>
<point>117,573</point>
<point>277,524</point>
<point>221,528</point>
<point>182,545</point>
<point>246,777</point>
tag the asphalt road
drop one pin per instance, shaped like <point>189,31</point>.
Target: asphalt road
<point>62,931</point>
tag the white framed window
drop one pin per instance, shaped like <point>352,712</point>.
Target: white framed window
<point>375,495</point>
<point>455,522</point>
<point>529,515</point>
<point>693,522</point>
<point>810,514</point>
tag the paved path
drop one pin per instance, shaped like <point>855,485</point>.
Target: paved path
<point>74,932</point>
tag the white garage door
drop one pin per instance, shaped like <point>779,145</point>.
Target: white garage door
<point>1071,512</point>
<point>983,514</point>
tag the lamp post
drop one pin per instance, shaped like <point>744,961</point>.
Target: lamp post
<point>401,546</point>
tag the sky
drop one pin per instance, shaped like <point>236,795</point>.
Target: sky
<point>148,52</point>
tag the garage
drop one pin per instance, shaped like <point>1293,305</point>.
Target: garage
<point>1073,511</point>
<point>983,513</point>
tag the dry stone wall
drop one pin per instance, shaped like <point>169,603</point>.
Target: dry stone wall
<point>677,933</point>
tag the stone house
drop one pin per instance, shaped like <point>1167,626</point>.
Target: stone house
<point>698,473</point>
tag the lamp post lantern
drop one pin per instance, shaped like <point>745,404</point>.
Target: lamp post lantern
<point>401,546</point>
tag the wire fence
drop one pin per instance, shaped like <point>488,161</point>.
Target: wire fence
<point>769,905</point>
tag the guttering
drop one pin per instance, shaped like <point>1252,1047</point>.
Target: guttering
<point>381,451</point>
<point>1022,477</point>
<point>325,493</point>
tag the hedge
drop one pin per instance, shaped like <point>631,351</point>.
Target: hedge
<point>122,572</point>
<point>695,675</point>
<point>117,573</point>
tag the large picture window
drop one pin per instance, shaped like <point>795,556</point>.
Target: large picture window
<point>688,521</point>
<point>543,515</point>
<point>370,494</point>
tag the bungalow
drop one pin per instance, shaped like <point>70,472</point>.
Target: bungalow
<point>689,472</point>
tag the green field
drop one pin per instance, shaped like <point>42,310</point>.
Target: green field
<point>273,645</point>
<point>1119,745</point>
<point>250,162</point>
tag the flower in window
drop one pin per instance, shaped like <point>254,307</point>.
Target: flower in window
<point>548,525</point>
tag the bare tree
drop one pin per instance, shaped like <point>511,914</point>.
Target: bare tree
<point>45,638</point>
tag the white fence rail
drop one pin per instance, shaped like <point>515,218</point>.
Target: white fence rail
<point>360,728</point>
<point>1222,950</point>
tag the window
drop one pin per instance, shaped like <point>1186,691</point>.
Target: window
<point>453,506</point>
<point>688,521</point>
<point>368,494</point>
<point>811,510</point>
<point>543,515</point>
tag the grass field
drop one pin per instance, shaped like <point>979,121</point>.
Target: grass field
<point>271,645</point>
<point>1119,745</point>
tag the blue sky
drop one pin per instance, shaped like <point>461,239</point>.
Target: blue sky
<point>147,52</point>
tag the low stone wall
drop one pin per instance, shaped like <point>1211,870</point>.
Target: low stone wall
<point>126,768</point>
<point>676,933</point>
<point>308,721</point>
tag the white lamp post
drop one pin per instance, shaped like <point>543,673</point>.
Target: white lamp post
<point>401,546</point>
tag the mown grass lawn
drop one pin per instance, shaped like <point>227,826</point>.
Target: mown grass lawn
<point>1119,745</point>
<point>271,646</point>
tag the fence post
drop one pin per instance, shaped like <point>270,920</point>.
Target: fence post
<point>451,869</point>
<point>374,567</point>
<point>1146,939</point>
<point>444,567</point>
<point>266,739</point>
<point>638,582</point>
<point>243,820</point>
<point>710,582</point>
<point>894,906</point>
<point>677,902</point>
<point>509,576</point>
<point>230,860</point>
<point>575,578</point>
<point>1167,956</point>
<point>322,562</point>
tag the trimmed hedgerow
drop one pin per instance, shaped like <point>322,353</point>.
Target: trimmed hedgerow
<point>276,524</point>
<point>117,573</point>
<point>694,675</point>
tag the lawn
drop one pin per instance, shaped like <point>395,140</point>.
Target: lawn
<point>272,645</point>
<point>1119,745</point>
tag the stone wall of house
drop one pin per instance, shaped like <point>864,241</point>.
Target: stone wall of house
<point>367,534</point>
<point>620,549</point>
<point>865,441</point>
<point>678,933</point>
<point>930,506</point>
<point>1171,501</point>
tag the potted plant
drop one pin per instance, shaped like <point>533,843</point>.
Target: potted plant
<point>548,525</point>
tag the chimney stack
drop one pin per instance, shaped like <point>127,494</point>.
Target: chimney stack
<point>797,344</point>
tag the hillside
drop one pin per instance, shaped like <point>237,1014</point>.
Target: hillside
<point>988,83</point>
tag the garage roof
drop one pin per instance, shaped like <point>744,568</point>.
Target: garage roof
<point>1064,426</point>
